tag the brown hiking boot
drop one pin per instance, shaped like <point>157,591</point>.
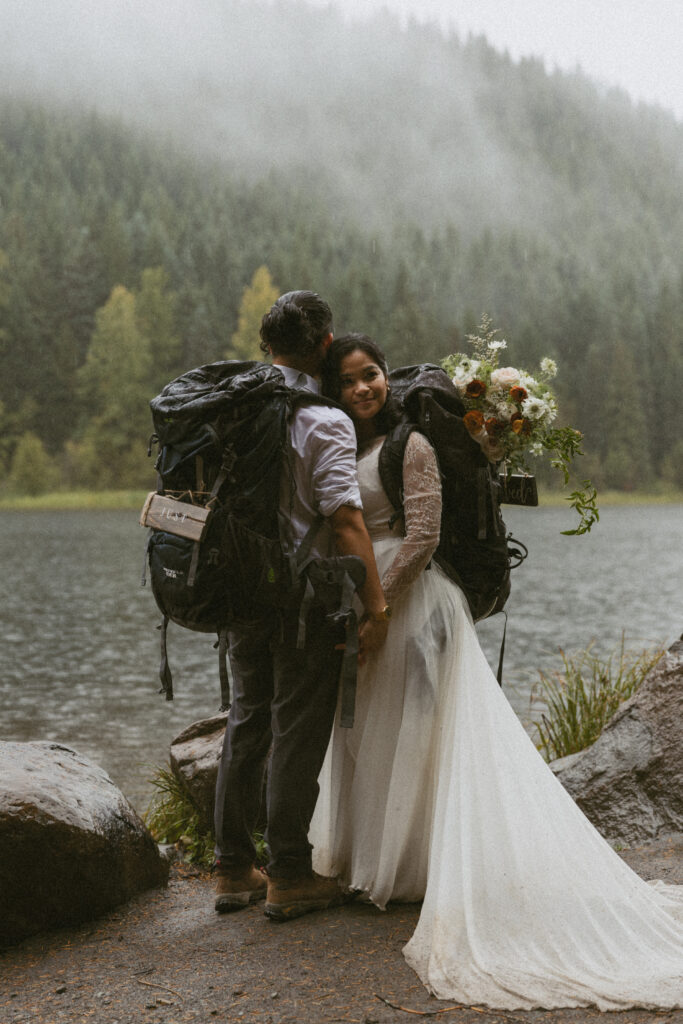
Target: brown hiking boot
<point>236,890</point>
<point>291,897</point>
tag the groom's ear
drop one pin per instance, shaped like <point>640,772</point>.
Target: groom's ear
<point>328,341</point>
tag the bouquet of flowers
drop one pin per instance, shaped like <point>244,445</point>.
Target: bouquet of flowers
<point>510,414</point>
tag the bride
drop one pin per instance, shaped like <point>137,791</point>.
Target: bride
<point>438,794</point>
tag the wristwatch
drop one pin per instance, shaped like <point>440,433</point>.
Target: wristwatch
<point>382,616</point>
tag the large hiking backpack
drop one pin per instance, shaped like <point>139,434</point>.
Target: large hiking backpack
<point>216,552</point>
<point>474,548</point>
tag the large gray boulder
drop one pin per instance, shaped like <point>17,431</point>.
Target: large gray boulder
<point>630,781</point>
<point>71,846</point>
<point>195,754</point>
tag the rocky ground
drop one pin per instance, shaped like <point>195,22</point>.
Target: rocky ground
<point>166,956</point>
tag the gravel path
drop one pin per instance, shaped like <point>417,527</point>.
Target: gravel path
<point>168,957</point>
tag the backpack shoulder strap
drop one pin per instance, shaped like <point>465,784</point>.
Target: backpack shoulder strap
<point>390,463</point>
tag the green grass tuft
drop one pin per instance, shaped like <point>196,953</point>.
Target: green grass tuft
<point>172,818</point>
<point>582,699</point>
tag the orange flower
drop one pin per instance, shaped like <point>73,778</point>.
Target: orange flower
<point>475,389</point>
<point>474,421</point>
<point>520,425</point>
<point>518,394</point>
<point>494,427</point>
<point>516,423</point>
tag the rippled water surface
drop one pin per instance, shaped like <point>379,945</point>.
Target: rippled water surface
<point>79,649</point>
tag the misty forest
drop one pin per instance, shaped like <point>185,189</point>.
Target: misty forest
<point>414,179</point>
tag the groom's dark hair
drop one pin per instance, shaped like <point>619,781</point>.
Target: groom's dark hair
<point>296,324</point>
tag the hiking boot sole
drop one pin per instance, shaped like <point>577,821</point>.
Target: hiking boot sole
<point>297,908</point>
<point>226,903</point>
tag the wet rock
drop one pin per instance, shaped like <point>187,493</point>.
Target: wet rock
<point>71,846</point>
<point>195,755</point>
<point>630,781</point>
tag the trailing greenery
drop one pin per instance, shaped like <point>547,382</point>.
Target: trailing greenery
<point>582,699</point>
<point>584,501</point>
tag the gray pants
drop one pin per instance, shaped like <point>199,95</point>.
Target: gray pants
<point>284,698</point>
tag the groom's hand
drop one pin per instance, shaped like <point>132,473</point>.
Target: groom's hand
<point>371,636</point>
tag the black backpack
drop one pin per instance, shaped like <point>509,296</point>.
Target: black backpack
<point>474,549</point>
<point>217,553</point>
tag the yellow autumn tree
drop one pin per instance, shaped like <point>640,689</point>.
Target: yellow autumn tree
<point>114,383</point>
<point>257,298</point>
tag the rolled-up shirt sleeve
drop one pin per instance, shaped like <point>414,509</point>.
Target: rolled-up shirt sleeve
<point>334,476</point>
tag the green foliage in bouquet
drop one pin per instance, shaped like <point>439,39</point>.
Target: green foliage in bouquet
<point>510,412</point>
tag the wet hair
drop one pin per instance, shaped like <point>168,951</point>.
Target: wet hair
<point>296,324</point>
<point>331,374</point>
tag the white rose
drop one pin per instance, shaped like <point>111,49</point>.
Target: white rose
<point>505,376</point>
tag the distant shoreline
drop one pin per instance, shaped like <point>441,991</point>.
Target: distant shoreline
<point>62,501</point>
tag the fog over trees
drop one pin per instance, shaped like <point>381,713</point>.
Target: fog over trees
<point>154,158</point>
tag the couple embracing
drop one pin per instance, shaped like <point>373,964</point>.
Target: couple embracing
<point>436,793</point>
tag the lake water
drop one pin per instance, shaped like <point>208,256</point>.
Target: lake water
<point>79,648</point>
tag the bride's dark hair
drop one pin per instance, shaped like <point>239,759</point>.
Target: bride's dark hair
<point>331,374</point>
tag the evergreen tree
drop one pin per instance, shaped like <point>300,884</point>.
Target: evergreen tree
<point>115,384</point>
<point>568,240</point>
<point>625,449</point>
<point>155,313</point>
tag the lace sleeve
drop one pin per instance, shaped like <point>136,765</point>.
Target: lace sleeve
<point>422,512</point>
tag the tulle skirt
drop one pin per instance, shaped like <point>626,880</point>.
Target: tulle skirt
<point>438,793</point>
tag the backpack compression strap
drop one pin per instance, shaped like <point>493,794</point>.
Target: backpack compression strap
<point>222,645</point>
<point>164,669</point>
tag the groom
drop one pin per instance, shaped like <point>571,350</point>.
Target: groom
<point>284,698</point>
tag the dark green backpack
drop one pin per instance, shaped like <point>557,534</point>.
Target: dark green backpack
<point>474,549</point>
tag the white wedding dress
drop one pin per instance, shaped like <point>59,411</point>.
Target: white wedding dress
<point>438,792</point>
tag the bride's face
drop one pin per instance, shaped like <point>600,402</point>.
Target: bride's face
<point>363,386</point>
